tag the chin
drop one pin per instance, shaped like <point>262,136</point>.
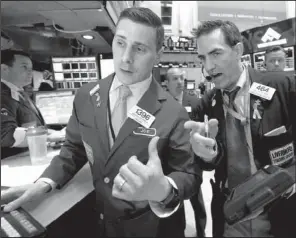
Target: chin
<point>124,78</point>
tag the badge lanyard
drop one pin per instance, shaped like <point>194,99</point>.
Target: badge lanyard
<point>245,121</point>
<point>110,120</point>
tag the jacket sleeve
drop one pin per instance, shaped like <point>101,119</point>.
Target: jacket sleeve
<point>72,156</point>
<point>182,168</point>
<point>8,119</point>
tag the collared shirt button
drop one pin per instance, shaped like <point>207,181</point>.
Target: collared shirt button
<point>106,180</point>
<point>101,216</point>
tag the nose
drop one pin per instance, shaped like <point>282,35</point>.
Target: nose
<point>209,66</point>
<point>30,72</point>
<point>276,63</point>
<point>127,55</point>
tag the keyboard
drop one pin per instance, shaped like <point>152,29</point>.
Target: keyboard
<point>19,223</point>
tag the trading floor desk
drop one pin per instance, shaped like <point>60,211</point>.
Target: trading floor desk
<point>56,203</point>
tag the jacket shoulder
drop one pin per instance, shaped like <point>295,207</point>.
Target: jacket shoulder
<point>8,96</point>
<point>277,80</point>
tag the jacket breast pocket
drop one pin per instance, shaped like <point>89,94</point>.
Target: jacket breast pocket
<point>277,150</point>
<point>90,138</point>
<point>145,225</point>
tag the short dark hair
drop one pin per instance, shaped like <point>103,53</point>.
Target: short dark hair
<point>8,56</point>
<point>231,33</point>
<point>147,17</point>
<point>274,49</point>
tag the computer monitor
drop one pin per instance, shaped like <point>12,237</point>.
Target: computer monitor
<point>246,59</point>
<point>73,72</point>
<point>289,58</point>
<point>259,58</point>
<point>106,65</point>
<point>55,106</point>
<point>190,85</point>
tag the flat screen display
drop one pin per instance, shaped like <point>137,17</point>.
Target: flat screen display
<point>55,107</point>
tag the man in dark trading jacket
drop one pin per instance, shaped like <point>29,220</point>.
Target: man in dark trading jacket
<point>18,112</point>
<point>247,129</point>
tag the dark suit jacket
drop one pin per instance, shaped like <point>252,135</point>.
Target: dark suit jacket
<point>15,113</point>
<point>190,102</point>
<point>280,110</point>
<point>88,124</point>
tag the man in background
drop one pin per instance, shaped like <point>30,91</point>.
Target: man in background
<point>175,85</point>
<point>175,80</point>
<point>18,112</point>
<point>275,59</point>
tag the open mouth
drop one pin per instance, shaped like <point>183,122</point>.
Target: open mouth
<point>214,76</point>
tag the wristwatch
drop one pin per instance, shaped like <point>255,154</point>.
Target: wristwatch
<point>172,200</point>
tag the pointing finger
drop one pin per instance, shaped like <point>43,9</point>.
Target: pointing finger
<point>203,140</point>
<point>194,126</point>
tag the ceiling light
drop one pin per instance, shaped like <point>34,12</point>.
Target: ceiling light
<point>100,9</point>
<point>88,37</point>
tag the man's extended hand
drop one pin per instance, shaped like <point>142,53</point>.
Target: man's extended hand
<point>203,146</point>
<point>138,182</point>
<point>54,136</point>
<point>15,197</point>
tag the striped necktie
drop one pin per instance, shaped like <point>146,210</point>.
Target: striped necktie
<point>119,113</point>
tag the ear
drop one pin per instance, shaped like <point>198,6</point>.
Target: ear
<point>166,82</point>
<point>264,64</point>
<point>239,49</point>
<point>4,68</point>
<point>158,56</point>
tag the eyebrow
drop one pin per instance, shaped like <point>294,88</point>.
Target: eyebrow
<point>135,42</point>
<point>211,52</point>
<point>214,51</point>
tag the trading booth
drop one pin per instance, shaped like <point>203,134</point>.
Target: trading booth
<point>257,39</point>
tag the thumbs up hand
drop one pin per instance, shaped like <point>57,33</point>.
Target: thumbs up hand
<point>138,182</point>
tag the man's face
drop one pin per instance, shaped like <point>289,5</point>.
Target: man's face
<point>220,61</point>
<point>20,73</point>
<point>275,61</point>
<point>134,51</point>
<point>175,82</point>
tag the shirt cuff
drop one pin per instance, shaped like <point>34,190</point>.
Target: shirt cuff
<point>290,192</point>
<point>49,181</point>
<point>19,136</point>
<point>159,210</point>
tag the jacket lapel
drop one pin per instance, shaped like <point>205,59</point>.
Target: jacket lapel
<point>150,103</point>
<point>254,123</point>
<point>31,106</point>
<point>101,111</point>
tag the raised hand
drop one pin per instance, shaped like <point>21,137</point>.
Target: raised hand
<point>138,182</point>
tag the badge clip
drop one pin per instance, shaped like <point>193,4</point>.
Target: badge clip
<point>256,114</point>
<point>98,99</point>
<point>94,90</point>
